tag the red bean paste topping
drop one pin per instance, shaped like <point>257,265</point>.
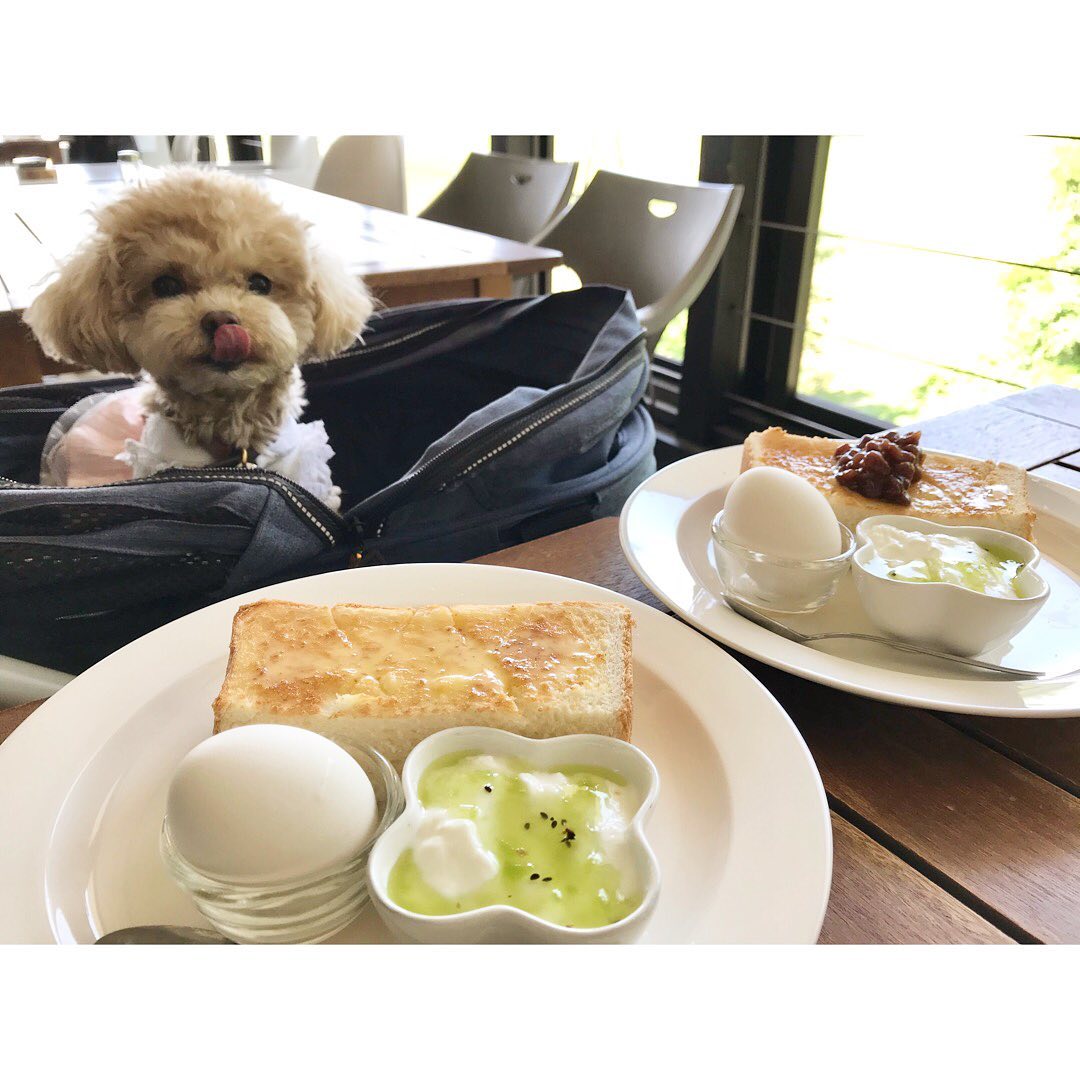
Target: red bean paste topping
<point>880,466</point>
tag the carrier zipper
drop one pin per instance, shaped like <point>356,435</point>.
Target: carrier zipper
<point>356,350</point>
<point>599,388</point>
<point>598,383</point>
<point>363,349</point>
<point>227,472</point>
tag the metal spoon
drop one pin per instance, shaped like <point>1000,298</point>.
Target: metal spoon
<point>163,935</point>
<point>756,616</point>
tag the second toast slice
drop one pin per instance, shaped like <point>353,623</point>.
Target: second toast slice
<point>951,491</point>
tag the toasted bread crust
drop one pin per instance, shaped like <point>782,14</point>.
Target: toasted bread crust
<point>624,718</point>
<point>952,490</point>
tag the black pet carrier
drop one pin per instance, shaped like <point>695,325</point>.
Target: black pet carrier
<point>458,428</point>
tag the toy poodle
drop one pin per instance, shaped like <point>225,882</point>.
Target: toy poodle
<point>203,283</point>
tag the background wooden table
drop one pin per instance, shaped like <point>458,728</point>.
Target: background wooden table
<point>405,260</point>
<point>946,828</point>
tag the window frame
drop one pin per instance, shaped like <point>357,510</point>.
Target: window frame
<point>745,331</point>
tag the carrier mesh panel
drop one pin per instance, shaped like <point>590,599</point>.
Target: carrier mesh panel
<point>109,580</point>
<point>67,520</point>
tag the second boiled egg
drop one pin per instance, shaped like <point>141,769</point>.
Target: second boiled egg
<point>778,513</point>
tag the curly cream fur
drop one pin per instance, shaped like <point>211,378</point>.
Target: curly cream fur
<point>212,230</point>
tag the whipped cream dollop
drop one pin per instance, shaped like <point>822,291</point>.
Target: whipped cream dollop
<point>450,856</point>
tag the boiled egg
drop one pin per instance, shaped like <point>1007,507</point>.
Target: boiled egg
<point>268,803</point>
<point>780,514</point>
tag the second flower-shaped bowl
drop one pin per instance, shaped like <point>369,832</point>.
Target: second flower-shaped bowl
<point>501,923</point>
<point>940,614</point>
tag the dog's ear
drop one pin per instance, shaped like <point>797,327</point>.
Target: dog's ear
<point>73,318</point>
<point>342,306</point>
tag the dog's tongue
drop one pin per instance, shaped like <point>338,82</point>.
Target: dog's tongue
<point>231,342</point>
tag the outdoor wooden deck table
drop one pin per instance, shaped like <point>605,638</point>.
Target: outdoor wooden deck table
<point>404,260</point>
<point>946,828</point>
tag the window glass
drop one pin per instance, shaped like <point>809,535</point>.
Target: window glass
<point>433,160</point>
<point>946,273</point>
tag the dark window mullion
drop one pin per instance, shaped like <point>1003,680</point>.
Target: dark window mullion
<point>794,177</point>
<point>538,146</point>
<point>718,323</point>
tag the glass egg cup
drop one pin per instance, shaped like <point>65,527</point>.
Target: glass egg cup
<point>297,910</point>
<point>788,586</point>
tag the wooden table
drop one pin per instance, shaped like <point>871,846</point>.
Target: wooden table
<point>946,828</point>
<point>405,260</point>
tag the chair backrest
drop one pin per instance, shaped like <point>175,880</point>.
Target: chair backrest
<point>185,149</point>
<point>295,158</point>
<point>661,241</point>
<point>154,149</point>
<point>504,195</point>
<point>367,169</point>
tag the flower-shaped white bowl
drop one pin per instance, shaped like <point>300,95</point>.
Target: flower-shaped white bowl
<point>500,923</point>
<point>940,614</point>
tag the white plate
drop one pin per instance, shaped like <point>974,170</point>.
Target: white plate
<point>665,535</point>
<point>741,829</point>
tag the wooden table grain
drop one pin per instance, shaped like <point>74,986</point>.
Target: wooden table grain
<point>946,829</point>
<point>404,260</point>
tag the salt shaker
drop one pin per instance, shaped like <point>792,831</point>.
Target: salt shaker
<point>130,162</point>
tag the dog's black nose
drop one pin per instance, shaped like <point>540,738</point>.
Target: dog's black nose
<point>213,319</point>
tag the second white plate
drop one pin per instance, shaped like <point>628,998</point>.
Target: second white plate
<point>665,536</point>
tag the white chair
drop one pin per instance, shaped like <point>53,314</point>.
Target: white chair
<point>661,241</point>
<point>504,195</point>
<point>295,159</point>
<point>21,682</point>
<point>154,149</point>
<point>185,149</point>
<point>367,169</point>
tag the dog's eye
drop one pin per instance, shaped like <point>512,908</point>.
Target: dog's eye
<point>259,283</point>
<point>166,286</point>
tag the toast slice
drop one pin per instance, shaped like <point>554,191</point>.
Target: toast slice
<point>390,677</point>
<point>951,491</point>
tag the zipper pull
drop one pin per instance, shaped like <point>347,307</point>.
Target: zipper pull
<point>364,553</point>
<point>357,538</point>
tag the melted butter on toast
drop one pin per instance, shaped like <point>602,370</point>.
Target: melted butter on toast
<point>294,658</point>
